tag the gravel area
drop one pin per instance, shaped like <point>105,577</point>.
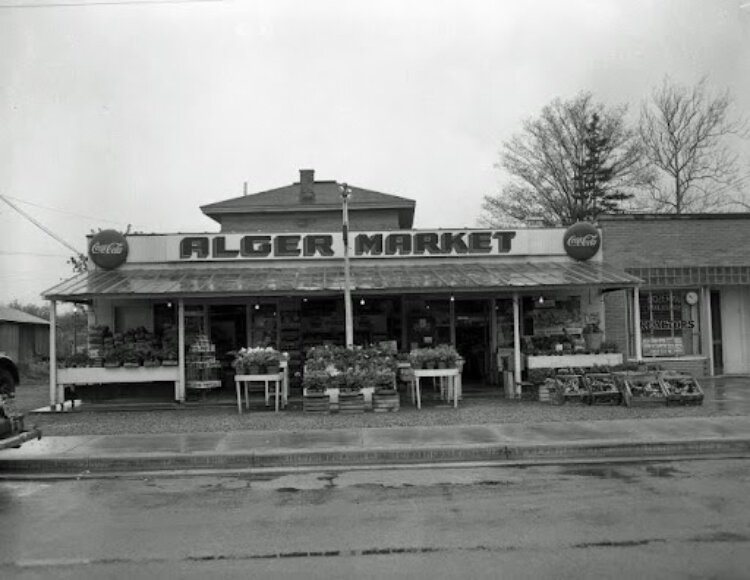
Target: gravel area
<point>471,411</point>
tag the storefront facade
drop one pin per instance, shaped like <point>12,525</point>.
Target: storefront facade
<point>497,295</point>
<point>694,304</point>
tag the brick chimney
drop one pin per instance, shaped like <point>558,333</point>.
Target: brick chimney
<point>307,185</point>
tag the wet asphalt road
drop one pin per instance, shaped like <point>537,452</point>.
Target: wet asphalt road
<point>653,520</point>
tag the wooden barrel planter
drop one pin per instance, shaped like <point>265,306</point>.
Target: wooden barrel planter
<point>316,402</point>
<point>351,402</point>
<point>385,401</point>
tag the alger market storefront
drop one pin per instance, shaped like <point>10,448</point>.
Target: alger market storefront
<point>498,296</point>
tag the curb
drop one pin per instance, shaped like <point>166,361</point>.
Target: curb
<point>286,459</point>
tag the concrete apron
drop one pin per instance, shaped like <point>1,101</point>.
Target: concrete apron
<point>510,444</point>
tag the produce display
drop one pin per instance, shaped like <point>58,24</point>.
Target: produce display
<point>681,389</point>
<point>643,390</point>
<point>603,389</point>
<point>571,388</point>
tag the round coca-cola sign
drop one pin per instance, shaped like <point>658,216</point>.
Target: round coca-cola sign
<point>582,241</point>
<point>108,249</point>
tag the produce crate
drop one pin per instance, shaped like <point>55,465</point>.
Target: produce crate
<point>603,389</point>
<point>642,390</point>
<point>681,389</point>
<point>571,389</point>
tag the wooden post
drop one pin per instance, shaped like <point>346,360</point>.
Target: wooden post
<point>452,309</point>
<point>637,324</point>
<point>517,339</point>
<point>180,390</point>
<point>707,328</point>
<point>494,371</point>
<point>53,354</point>
<point>404,329</point>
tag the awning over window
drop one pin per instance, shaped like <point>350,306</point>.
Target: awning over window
<point>329,278</point>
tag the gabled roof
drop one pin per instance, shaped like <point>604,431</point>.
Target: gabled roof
<point>327,197</point>
<point>8,314</point>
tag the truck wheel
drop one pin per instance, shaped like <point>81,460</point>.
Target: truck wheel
<point>7,383</point>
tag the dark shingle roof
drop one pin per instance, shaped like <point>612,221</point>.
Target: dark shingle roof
<point>327,197</point>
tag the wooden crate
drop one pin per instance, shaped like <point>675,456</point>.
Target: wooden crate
<point>571,389</point>
<point>681,388</point>
<point>603,389</point>
<point>642,390</point>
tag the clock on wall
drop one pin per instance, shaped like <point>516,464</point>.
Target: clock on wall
<point>691,298</point>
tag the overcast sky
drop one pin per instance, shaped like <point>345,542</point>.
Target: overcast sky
<point>140,113</point>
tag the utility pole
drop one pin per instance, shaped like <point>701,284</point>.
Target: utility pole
<point>348,318</point>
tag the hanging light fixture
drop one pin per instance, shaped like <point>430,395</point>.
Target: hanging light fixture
<point>540,300</point>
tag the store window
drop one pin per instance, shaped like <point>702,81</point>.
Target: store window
<point>670,324</point>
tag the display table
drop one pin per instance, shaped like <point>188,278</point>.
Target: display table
<point>276,378</point>
<point>106,375</point>
<point>450,383</point>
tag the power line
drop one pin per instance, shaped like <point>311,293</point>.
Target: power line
<point>105,3</point>
<point>33,254</point>
<point>88,217</point>
<point>40,226</point>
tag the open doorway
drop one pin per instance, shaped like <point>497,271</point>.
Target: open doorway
<point>473,339</point>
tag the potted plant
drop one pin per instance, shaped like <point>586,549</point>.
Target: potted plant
<point>417,358</point>
<point>271,360</point>
<point>593,336</point>
<point>130,358</point>
<point>315,399</point>
<point>351,398</point>
<point>385,397</point>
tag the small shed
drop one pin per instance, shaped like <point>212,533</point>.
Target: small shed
<point>23,336</point>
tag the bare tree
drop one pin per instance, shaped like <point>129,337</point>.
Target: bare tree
<point>577,159</point>
<point>686,133</point>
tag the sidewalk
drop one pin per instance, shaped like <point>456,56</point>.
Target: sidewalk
<point>512,444</point>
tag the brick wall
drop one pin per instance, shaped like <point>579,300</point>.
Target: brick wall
<point>324,221</point>
<point>689,240</point>
<point>650,241</point>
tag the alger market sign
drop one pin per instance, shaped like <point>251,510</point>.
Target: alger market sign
<point>391,244</point>
<point>394,244</point>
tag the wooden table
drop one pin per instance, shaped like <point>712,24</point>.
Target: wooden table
<point>276,378</point>
<point>449,379</point>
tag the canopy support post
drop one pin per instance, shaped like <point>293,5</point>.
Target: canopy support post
<point>53,355</point>
<point>180,386</point>
<point>517,340</point>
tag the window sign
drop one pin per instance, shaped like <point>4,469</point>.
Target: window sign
<point>669,323</point>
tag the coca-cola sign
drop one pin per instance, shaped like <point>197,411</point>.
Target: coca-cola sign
<point>582,241</point>
<point>108,249</point>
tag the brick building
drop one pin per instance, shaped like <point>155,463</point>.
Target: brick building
<point>694,303</point>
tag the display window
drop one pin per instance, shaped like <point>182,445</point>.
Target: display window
<point>670,324</point>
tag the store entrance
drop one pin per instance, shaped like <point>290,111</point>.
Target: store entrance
<point>473,339</point>
<point>228,327</point>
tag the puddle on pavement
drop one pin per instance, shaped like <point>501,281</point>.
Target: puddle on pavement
<point>599,472</point>
<point>662,471</point>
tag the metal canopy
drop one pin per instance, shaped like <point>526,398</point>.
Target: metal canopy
<point>254,279</point>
